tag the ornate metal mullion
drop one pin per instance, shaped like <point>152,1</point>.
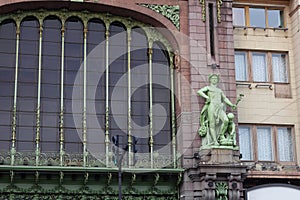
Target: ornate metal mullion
<point>203,5</point>
<point>14,114</point>
<point>174,142</point>
<point>84,125</point>
<point>61,115</point>
<point>38,108</point>
<point>219,4</point>
<point>129,98</point>
<point>151,140</point>
<point>107,141</point>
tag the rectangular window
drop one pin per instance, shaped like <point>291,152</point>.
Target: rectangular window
<point>238,16</point>
<point>279,68</point>
<point>257,17</point>
<point>241,66</point>
<point>285,144</point>
<point>275,18</point>
<point>266,143</point>
<point>259,67</point>
<point>245,142</point>
<point>262,67</point>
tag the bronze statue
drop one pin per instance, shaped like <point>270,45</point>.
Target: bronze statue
<point>216,127</point>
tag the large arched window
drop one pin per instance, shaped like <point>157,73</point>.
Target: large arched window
<point>76,85</point>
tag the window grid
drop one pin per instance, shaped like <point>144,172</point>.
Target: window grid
<point>63,97</point>
<point>258,66</point>
<point>273,17</point>
<point>265,143</point>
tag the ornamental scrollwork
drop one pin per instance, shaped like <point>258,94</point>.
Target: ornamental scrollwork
<point>169,11</point>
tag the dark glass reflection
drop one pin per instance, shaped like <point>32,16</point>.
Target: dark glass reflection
<point>161,96</point>
<point>50,88</point>
<point>140,89</point>
<point>118,98</point>
<point>73,59</point>
<point>27,80</point>
<point>7,73</point>
<point>96,90</point>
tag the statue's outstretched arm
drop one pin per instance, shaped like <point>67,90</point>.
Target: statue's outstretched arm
<point>228,102</point>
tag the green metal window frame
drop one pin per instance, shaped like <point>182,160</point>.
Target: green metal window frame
<point>37,158</point>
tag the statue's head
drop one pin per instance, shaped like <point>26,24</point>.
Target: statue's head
<point>230,116</point>
<point>213,76</point>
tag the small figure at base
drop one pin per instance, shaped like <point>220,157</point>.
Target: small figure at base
<point>229,139</point>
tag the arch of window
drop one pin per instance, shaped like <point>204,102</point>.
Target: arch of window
<point>47,53</point>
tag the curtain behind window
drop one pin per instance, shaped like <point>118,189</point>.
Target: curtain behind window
<point>240,66</point>
<point>279,68</point>
<point>285,144</point>
<point>245,143</point>
<point>264,143</point>
<point>259,67</point>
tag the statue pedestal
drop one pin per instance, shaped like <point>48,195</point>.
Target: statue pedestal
<point>219,156</point>
<point>218,175</point>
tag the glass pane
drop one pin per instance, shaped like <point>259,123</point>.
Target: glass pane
<point>285,144</point>
<point>238,16</point>
<point>259,67</point>
<point>279,68</point>
<point>118,81</point>
<point>7,73</point>
<point>275,18</point>
<point>257,17</point>
<point>245,142</point>
<point>265,144</point>
<point>96,90</point>
<point>73,61</point>
<point>161,89</point>
<point>140,89</point>
<point>27,84</point>
<point>240,66</point>
<point>95,37</point>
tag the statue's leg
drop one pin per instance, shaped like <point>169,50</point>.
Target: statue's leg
<point>212,127</point>
<point>234,138</point>
<point>224,126</point>
<point>213,135</point>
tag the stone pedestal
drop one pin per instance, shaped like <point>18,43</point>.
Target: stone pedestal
<point>218,175</point>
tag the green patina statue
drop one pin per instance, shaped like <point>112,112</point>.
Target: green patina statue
<point>217,128</point>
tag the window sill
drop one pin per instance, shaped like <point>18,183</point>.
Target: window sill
<point>256,85</point>
<point>272,174</point>
<point>264,85</point>
<point>261,28</point>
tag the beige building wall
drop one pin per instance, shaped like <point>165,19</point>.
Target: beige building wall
<point>260,106</point>
<point>295,34</point>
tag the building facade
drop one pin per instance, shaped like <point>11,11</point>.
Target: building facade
<point>98,99</point>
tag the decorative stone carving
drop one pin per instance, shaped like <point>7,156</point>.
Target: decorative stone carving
<point>221,191</point>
